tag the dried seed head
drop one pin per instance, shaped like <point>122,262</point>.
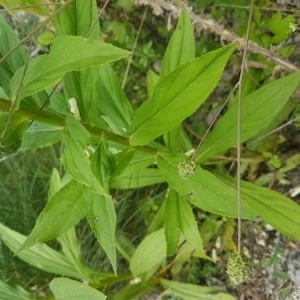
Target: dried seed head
<point>186,169</point>
<point>237,269</point>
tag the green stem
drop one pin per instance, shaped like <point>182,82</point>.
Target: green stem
<point>53,119</point>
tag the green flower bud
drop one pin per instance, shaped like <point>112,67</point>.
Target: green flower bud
<point>186,169</point>
<point>237,269</point>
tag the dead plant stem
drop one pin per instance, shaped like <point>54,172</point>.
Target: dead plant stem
<point>239,129</point>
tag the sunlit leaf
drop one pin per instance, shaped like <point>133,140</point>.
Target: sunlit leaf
<point>181,47</point>
<point>76,138</point>
<point>68,53</point>
<point>177,96</point>
<point>172,222</point>
<point>15,292</point>
<point>258,111</point>
<point>188,291</point>
<point>101,215</point>
<point>203,189</point>
<point>188,224</point>
<point>66,208</point>
<point>77,20</point>
<point>40,135</point>
<point>40,256</point>
<point>149,254</point>
<point>112,101</point>
<point>67,289</point>
<point>137,178</point>
<point>9,39</point>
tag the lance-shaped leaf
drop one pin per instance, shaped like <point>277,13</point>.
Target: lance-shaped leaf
<point>103,164</point>
<point>67,289</point>
<point>187,291</point>
<point>68,53</point>
<point>9,39</point>
<point>274,208</point>
<point>178,95</point>
<point>15,292</point>
<point>40,135</point>
<point>181,47</point>
<point>112,101</point>
<point>41,256</point>
<point>259,109</point>
<point>188,225</point>
<point>172,222</point>
<point>66,208</point>
<point>76,139</point>
<point>179,217</point>
<point>101,215</point>
<point>149,254</point>
<point>78,19</point>
<point>180,50</point>
<point>203,189</point>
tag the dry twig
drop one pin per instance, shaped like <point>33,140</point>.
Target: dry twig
<point>204,22</point>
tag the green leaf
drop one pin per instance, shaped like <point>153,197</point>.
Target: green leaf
<point>40,135</point>
<point>56,183</point>
<point>203,189</point>
<point>177,140</point>
<point>181,47</point>
<point>15,292</point>
<point>112,101</point>
<point>103,164</point>
<point>172,222</point>
<point>149,254</point>
<point>71,248</point>
<point>68,53</point>
<point>188,225</point>
<point>14,127</point>
<point>41,256</point>
<point>180,50</point>
<point>137,178</point>
<point>77,19</point>
<point>67,289</point>
<point>259,109</point>
<point>123,159</point>
<point>275,209</point>
<point>101,215</point>
<point>188,291</point>
<point>177,96</point>
<point>82,87</point>
<point>152,79</point>
<point>179,217</point>
<point>280,27</point>
<point>133,291</point>
<point>36,7</point>
<point>66,208</point>
<point>76,138</point>
<point>9,40</point>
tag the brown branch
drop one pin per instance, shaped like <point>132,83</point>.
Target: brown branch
<point>204,22</point>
